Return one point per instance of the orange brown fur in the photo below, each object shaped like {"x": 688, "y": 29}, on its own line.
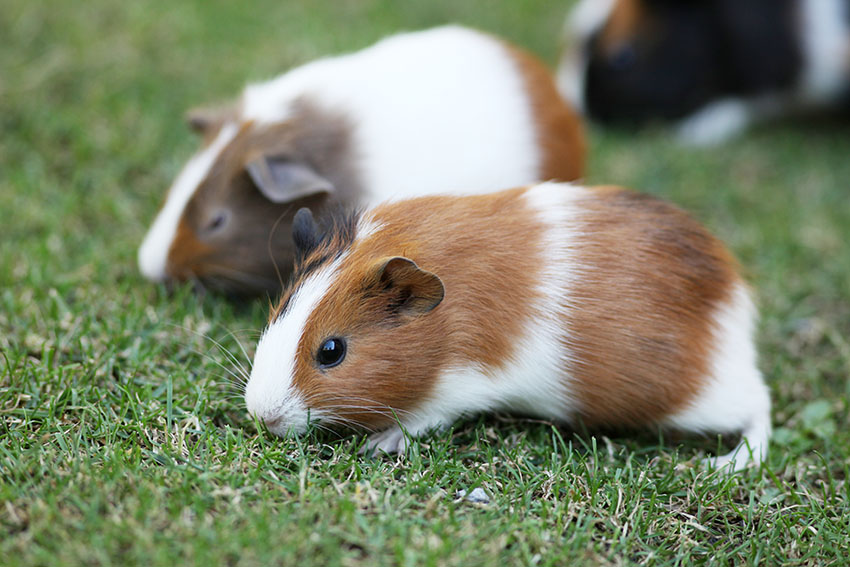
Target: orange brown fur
{"x": 625, "y": 18}
{"x": 489, "y": 281}
{"x": 187, "y": 253}
{"x": 559, "y": 129}
{"x": 651, "y": 280}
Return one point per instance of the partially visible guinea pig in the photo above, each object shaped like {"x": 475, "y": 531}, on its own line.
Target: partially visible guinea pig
{"x": 449, "y": 107}
{"x": 710, "y": 66}
{"x": 598, "y": 305}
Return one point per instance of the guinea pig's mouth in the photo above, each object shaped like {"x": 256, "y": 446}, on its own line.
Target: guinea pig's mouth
{"x": 224, "y": 279}
{"x": 280, "y": 427}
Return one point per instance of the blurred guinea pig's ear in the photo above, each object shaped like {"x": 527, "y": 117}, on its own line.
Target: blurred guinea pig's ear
{"x": 282, "y": 179}
{"x": 305, "y": 232}
{"x": 203, "y": 119}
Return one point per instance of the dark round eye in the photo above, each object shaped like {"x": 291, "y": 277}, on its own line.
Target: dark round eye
{"x": 218, "y": 221}
{"x": 331, "y": 353}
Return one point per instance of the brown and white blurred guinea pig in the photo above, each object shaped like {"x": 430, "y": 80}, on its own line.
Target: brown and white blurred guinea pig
{"x": 710, "y": 66}
{"x": 448, "y": 107}
{"x": 591, "y": 304}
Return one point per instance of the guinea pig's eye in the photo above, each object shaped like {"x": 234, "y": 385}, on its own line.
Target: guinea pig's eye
{"x": 623, "y": 58}
{"x": 331, "y": 353}
{"x": 218, "y": 221}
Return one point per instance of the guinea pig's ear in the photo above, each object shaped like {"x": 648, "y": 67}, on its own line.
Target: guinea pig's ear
{"x": 283, "y": 180}
{"x": 305, "y": 232}
{"x": 203, "y": 119}
{"x": 412, "y": 290}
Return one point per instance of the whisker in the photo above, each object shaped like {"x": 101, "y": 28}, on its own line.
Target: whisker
{"x": 350, "y": 423}
{"x": 242, "y": 348}
{"x": 226, "y": 352}
{"x": 373, "y": 403}
{"x": 241, "y": 378}
{"x": 269, "y": 245}
{"x": 224, "y": 278}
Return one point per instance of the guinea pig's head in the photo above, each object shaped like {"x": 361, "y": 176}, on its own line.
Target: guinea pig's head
{"x": 356, "y": 340}
{"x": 226, "y": 220}
{"x": 635, "y": 60}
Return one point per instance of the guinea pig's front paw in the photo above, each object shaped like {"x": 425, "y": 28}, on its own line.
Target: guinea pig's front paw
{"x": 733, "y": 462}
{"x": 715, "y": 123}
{"x": 391, "y": 441}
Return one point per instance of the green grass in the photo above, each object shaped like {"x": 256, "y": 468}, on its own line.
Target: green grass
{"x": 121, "y": 439}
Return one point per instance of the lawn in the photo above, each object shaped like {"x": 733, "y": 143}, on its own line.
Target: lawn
{"x": 123, "y": 440}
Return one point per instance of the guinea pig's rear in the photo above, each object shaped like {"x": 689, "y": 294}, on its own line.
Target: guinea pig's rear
{"x": 446, "y": 109}
{"x": 597, "y": 305}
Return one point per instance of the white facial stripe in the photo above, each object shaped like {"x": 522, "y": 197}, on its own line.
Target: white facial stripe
{"x": 826, "y": 48}
{"x": 269, "y": 393}
{"x": 588, "y": 16}
{"x": 570, "y": 76}
{"x": 153, "y": 253}
{"x": 585, "y": 19}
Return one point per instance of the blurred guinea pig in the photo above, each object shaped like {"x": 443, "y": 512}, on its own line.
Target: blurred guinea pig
{"x": 710, "y": 66}
{"x": 574, "y": 304}
{"x": 450, "y": 107}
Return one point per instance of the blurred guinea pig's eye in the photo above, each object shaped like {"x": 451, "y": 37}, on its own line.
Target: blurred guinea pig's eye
{"x": 623, "y": 58}
{"x": 218, "y": 221}
{"x": 331, "y": 353}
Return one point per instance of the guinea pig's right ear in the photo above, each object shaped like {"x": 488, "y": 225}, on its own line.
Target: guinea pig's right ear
{"x": 206, "y": 118}
{"x": 410, "y": 290}
{"x": 283, "y": 180}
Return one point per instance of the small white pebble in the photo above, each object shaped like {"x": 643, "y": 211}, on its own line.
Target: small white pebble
{"x": 477, "y": 495}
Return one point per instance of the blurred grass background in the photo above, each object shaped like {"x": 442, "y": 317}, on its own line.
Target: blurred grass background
{"x": 121, "y": 439}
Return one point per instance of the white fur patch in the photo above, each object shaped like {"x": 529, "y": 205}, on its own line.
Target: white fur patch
{"x": 367, "y": 226}
{"x": 826, "y": 48}
{"x": 535, "y": 381}
{"x": 589, "y": 16}
{"x": 153, "y": 254}
{"x": 736, "y": 398}
{"x": 421, "y": 123}
{"x": 269, "y": 393}
{"x": 714, "y": 123}
{"x": 586, "y": 18}
{"x": 570, "y": 75}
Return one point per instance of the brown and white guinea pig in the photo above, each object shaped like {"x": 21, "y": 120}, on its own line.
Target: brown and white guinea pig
{"x": 568, "y": 303}
{"x": 449, "y": 107}
{"x": 711, "y": 66}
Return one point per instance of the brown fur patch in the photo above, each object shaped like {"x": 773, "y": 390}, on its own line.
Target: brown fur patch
{"x": 489, "y": 278}
{"x": 186, "y": 255}
{"x": 208, "y": 120}
{"x": 622, "y": 24}
{"x": 255, "y": 251}
{"x": 651, "y": 280}
{"x": 560, "y": 133}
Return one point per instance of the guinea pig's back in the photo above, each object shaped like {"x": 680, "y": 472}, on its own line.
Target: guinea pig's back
{"x": 479, "y": 114}
{"x": 593, "y": 303}
{"x": 650, "y": 288}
